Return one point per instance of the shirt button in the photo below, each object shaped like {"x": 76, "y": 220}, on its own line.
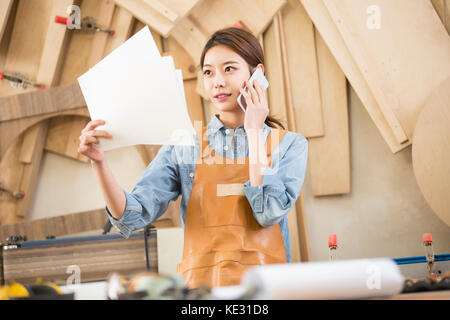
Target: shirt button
{"x": 227, "y": 131}
{"x": 225, "y": 148}
{"x": 191, "y": 174}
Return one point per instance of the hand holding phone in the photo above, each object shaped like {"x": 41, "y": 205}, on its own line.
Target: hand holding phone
{"x": 261, "y": 79}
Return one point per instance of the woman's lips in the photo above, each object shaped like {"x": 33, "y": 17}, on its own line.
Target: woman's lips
{"x": 222, "y": 97}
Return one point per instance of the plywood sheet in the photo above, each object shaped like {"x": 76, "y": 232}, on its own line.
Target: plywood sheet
{"x": 300, "y": 51}
{"x": 329, "y": 32}
{"x": 399, "y": 79}
{"x": 329, "y": 156}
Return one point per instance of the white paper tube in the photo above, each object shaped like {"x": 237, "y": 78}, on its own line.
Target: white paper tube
{"x": 344, "y": 279}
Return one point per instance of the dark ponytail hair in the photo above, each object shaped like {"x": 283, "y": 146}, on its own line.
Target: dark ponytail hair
{"x": 247, "y": 46}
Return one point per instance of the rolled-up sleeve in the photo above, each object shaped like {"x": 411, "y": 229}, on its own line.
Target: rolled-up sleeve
{"x": 281, "y": 184}
{"x": 150, "y": 197}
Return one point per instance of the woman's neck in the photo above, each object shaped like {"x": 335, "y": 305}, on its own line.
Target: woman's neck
{"x": 232, "y": 119}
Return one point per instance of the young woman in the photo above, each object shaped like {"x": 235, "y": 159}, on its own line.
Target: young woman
{"x": 237, "y": 183}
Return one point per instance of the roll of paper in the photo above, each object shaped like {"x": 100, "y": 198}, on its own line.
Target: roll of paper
{"x": 344, "y": 279}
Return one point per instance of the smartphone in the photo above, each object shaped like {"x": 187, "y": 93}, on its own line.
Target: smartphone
{"x": 261, "y": 79}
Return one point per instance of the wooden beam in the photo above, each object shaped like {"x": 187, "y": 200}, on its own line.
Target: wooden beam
{"x": 161, "y": 15}
{"x": 329, "y": 156}
{"x": 323, "y": 22}
{"x": 36, "y": 103}
{"x": 5, "y": 9}
{"x": 100, "y": 38}
{"x": 300, "y": 52}
{"x": 385, "y": 103}
{"x": 63, "y": 225}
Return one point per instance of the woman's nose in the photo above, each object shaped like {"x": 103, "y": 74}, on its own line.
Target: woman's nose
{"x": 219, "y": 81}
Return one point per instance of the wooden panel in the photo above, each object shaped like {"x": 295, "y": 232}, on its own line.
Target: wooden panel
{"x": 400, "y": 82}
{"x": 10, "y": 130}
{"x": 29, "y": 28}
{"x": 302, "y": 70}
{"x": 63, "y": 134}
{"x": 96, "y": 256}
{"x": 58, "y": 226}
{"x": 161, "y": 15}
{"x": 80, "y": 46}
{"x": 122, "y": 24}
{"x": 329, "y": 156}
{"x": 431, "y": 151}
{"x": 28, "y": 180}
{"x": 323, "y": 22}
{"x": 442, "y": 8}
{"x": 41, "y": 102}
{"x": 5, "y": 9}
{"x": 104, "y": 19}
{"x": 207, "y": 17}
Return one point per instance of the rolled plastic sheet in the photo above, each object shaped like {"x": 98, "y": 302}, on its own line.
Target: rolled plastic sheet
{"x": 343, "y": 279}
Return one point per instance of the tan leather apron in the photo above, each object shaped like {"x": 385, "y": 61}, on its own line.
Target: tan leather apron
{"x": 222, "y": 238}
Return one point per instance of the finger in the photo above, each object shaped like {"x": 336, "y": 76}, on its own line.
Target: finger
{"x": 247, "y": 98}
{"x": 259, "y": 90}
{"x": 93, "y": 124}
{"x": 252, "y": 92}
{"x": 100, "y": 133}
{"x": 89, "y": 139}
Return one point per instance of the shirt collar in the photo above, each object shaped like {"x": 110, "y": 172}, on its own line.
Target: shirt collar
{"x": 215, "y": 125}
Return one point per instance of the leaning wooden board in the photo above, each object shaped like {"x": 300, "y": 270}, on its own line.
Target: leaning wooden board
{"x": 399, "y": 79}
{"x": 329, "y": 156}
{"x": 300, "y": 51}
{"x": 209, "y": 16}
{"x": 431, "y": 151}
{"x": 330, "y": 34}
{"x": 161, "y": 15}
{"x": 92, "y": 258}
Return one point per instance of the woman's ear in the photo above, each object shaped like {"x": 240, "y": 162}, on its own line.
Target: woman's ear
{"x": 261, "y": 66}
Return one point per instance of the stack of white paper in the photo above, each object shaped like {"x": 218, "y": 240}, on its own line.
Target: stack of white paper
{"x": 139, "y": 94}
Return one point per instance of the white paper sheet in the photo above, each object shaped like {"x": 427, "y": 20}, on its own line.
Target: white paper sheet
{"x": 139, "y": 94}
{"x": 344, "y": 279}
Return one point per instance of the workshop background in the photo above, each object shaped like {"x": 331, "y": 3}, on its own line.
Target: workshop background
{"x": 366, "y": 82}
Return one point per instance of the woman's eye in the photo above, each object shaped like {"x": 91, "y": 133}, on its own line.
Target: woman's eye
{"x": 206, "y": 72}
{"x": 228, "y": 68}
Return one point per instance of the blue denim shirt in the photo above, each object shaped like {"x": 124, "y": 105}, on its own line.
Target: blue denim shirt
{"x": 171, "y": 173}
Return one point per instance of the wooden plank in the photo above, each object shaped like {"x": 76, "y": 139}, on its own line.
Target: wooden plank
{"x": 96, "y": 258}
{"x": 10, "y": 130}
{"x": 28, "y": 29}
{"x": 360, "y": 55}
{"x": 323, "y": 22}
{"x": 80, "y": 47}
{"x": 207, "y": 17}
{"x": 55, "y": 46}
{"x": 442, "y": 8}
{"x": 161, "y": 15}
{"x": 63, "y": 134}
{"x": 302, "y": 71}
{"x": 329, "y": 156}
{"x": 396, "y": 85}
{"x": 58, "y": 226}
{"x": 41, "y": 102}
{"x": 5, "y": 9}
{"x": 31, "y": 170}
{"x": 122, "y": 24}
{"x": 100, "y": 38}
{"x": 181, "y": 58}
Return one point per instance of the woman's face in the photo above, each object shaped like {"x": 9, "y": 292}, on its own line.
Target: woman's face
{"x": 224, "y": 73}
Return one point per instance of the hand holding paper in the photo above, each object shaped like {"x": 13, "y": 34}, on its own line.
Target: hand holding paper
{"x": 139, "y": 94}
